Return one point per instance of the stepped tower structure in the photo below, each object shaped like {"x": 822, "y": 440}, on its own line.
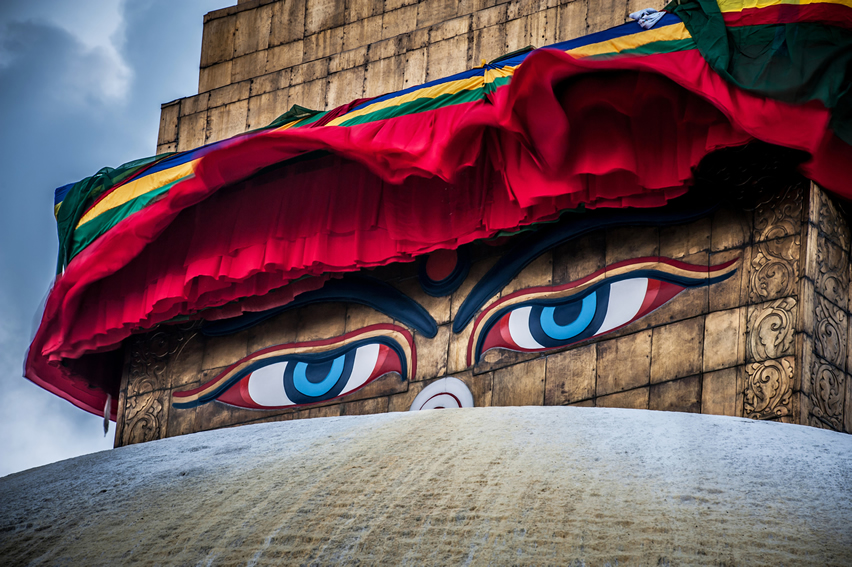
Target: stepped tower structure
{"x": 431, "y": 242}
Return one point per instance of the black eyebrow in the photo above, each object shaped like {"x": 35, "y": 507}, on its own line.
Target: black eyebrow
{"x": 363, "y": 290}
{"x": 684, "y": 209}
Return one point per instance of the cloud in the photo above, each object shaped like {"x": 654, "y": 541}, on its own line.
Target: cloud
{"x": 81, "y": 85}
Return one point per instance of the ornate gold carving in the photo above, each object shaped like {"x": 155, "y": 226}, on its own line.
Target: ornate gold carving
{"x": 775, "y": 269}
{"x": 771, "y": 328}
{"x": 769, "y": 389}
{"x": 829, "y": 331}
{"x": 832, "y": 277}
{"x": 144, "y": 418}
{"x": 145, "y": 411}
{"x": 827, "y": 390}
{"x": 149, "y": 359}
{"x": 781, "y": 216}
{"x": 831, "y": 220}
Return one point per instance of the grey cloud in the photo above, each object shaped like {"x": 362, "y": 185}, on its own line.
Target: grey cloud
{"x": 57, "y": 126}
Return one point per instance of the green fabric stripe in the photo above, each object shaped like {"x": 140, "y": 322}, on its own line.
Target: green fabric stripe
{"x": 794, "y": 63}
{"x": 84, "y": 193}
{"x": 87, "y": 233}
{"x": 650, "y": 49}
{"x": 419, "y": 105}
{"x": 310, "y": 120}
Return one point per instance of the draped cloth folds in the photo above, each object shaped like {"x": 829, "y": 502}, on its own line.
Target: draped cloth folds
{"x": 253, "y": 225}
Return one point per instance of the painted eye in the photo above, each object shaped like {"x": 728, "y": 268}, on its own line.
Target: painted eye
{"x": 550, "y": 324}
{"x": 540, "y": 319}
{"x": 307, "y": 380}
{"x": 308, "y": 373}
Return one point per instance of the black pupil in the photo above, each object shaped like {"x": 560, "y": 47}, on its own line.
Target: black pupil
{"x": 566, "y": 314}
{"x": 316, "y": 372}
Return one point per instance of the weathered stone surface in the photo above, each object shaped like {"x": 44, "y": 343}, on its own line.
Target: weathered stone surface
{"x": 169, "y": 114}
{"x": 226, "y": 121}
{"x": 631, "y": 399}
{"x": 444, "y": 57}
{"x": 224, "y": 351}
{"x": 733, "y": 292}
{"x": 520, "y": 385}
{"x": 677, "y": 350}
{"x": 432, "y": 354}
{"x": 288, "y": 22}
{"x": 720, "y": 394}
{"x": 683, "y": 240}
{"x": 571, "y": 376}
{"x": 538, "y": 273}
{"x": 723, "y": 339}
{"x": 365, "y": 407}
{"x": 572, "y": 20}
{"x": 252, "y": 30}
{"x": 678, "y": 395}
{"x": 265, "y": 108}
{"x": 228, "y": 94}
{"x": 192, "y": 131}
{"x": 730, "y": 229}
{"x": 215, "y": 76}
{"x": 345, "y": 86}
{"x": 579, "y": 258}
{"x": 500, "y": 358}
{"x": 628, "y": 243}
{"x": 217, "y": 41}
{"x": 321, "y": 321}
{"x": 399, "y": 21}
{"x": 623, "y": 363}
{"x": 323, "y": 14}
{"x": 284, "y": 56}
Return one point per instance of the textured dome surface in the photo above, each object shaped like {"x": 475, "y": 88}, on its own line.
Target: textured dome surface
{"x": 542, "y": 485}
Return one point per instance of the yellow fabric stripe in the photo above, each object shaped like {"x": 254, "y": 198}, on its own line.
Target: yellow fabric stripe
{"x": 56, "y": 209}
{"x": 138, "y": 187}
{"x": 450, "y": 87}
{"x": 289, "y": 125}
{"x": 667, "y": 33}
{"x": 492, "y": 74}
{"x": 740, "y": 5}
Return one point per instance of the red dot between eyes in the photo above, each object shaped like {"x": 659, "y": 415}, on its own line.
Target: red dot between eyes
{"x": 440, "y": 264}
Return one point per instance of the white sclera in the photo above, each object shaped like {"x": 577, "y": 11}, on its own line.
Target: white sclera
{"x": 365, "y": 362}
{"x": 266, "y": 386}
{"x": 441, "y": 394}
{"x": 519, "y": 328}
{"x": 625, "y": 300}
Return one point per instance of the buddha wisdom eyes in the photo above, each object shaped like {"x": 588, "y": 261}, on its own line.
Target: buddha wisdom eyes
{"x": 307, "y": 373}
{"x": 535, "y": 319}
{"x": 544, "y": 318}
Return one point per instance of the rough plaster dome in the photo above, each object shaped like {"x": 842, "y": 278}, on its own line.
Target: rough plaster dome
{"x": 543, "y": 485}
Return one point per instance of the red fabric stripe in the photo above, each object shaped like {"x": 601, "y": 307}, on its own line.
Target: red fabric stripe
{"x": 830, "y": 14}
{"x": 623, "y": 132}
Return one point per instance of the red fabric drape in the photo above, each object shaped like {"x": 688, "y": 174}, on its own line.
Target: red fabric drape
{"x": 566, "y": 132}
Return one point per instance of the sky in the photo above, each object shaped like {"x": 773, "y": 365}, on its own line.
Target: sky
{"x": 81, "y": 85}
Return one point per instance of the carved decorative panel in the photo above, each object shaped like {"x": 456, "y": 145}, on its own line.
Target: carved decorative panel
{"x": 146, "y": 398}
{"x": 145, "y": 418}
{"x": 832, "y": 277}
{"x": 149, "y": 359}
{"x": 780, "y": 216}
{"x": 831, "y": 221}
{"x": 829, "y": 331}
{"x": 826, "y": 397}
{"x": 774, "y": 269}
{"x": 769, "y": 389}
{"x": 771, "y": 329}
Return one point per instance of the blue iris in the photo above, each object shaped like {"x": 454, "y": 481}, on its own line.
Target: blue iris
{"x": 317, "y": 379}
{"x": 577, "y": 322}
